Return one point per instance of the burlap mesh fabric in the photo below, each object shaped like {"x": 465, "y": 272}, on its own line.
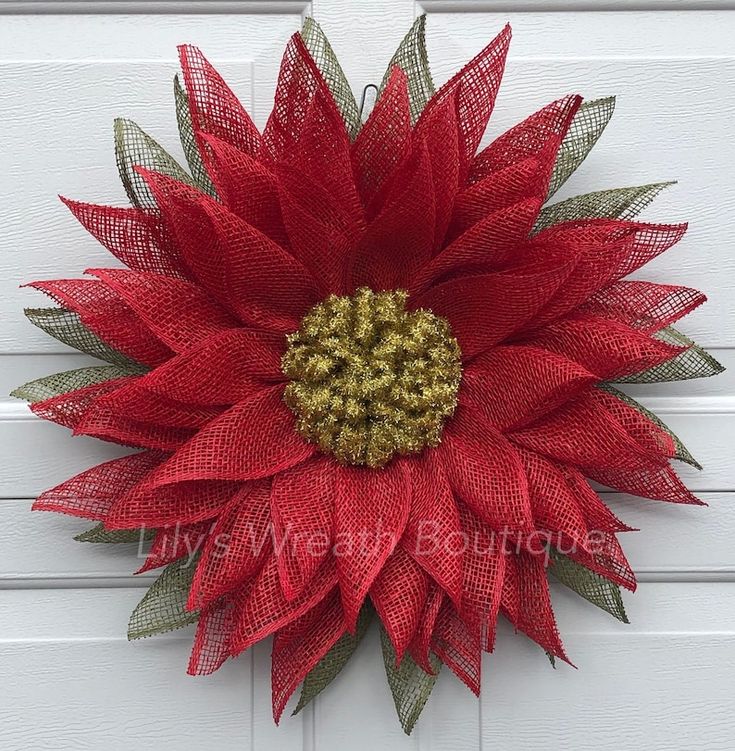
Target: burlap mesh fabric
{"x": 298, "y": 537}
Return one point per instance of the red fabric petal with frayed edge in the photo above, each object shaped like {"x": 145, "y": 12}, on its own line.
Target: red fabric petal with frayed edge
{"x": 102, "y": 311}
{"x": 299, "y": 646}
{"x": 370, "y": 514}
{"x": 656, "y": 483}
{"x": 254, "y": 439}
{"x": 236, "y": 546}
{"x": 475, "y": 87}
{"x": 433, "y": 535}
{"x": 302, "y": 507}
{"x": 420, "y": 647}
{"x": 515, "y": 384}
{"x": 214, "y": 108}
{"x": 178, "y": 541}
{"x": 399, "y": 594}
{"x": 133, "y": 236}
{"x": 470, "y": 304}
{"x": 212, "y": 640}
{"x": 240, "y": 266}
{"x": 92, "y": 493}
{"x": 485, "y": 471}
{"x": 457, "y": 648}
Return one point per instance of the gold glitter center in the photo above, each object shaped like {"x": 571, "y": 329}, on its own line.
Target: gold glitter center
{"x": 370, "y": 379}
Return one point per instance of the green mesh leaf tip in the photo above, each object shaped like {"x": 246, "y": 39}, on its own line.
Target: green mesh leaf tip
{"x": 584, "y": 130}
{"x": 617, "y": 203}
{"x": 189, "y": 142}
{"x": 329, "y": 667}
{"x": 409, "y": 684}
{"x": 163, "y": 608}
{"x": 589, "y": 585}
{"x": 99, "y": 534}
{"x": 682, "y": 453}
{"x": 411, "y": 57}
{"x": 66, "y": 327}
{"x": 134, "y": 147}
{"x": 694, "y": 362}
{"x": 323, "y": 55}
{"x": 70, "y": 380}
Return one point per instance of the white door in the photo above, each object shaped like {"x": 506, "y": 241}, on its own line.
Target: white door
{"x": 68, "y": 677}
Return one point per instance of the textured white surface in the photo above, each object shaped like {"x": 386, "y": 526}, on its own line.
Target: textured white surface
{"x": 71, "y": 680}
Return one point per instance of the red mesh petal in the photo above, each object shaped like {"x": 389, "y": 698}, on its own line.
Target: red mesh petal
{"x": 598, "y": 516}
{"x": 321, "y": 237}
{"x": 262, "y": 609}
{"x": 487, "y": 246}
{"x": 605, "y": 249}
{"x": 526, "y": 602}
{"x": 433, "y": 527}
{"x": 514, "y": 384}
{"x": 185, "y": 503}
{"x": 383, "y": 141}
{"x": 239, "y": 265}
{"x": 606, "y": 559}
{"x": 470, "y": 304}
{"x": 299, "y": 646}
{"x": 178, "y": 312}
{"x": 475, "y": 87}
{"x": 214, "y": 108}
{"x": 236, "y": 547}
{"x": 644, "y": 306}
{"x": 91, "y": 493}
{"x": 484, "y": 566}
{"x": 657, "y": 483}
{"x": 421, "y": 645}
{"x": 253, "y": 439}
{"x": 538, "y": 136}
{"x": 399, "y": 594}
{"x": 399, "y": 241}
{"x": 223, "y": 369}
{"x": 247, "y": 188}
{"x": 485, "y": 471}
{"x": 302, "y": 508}
{"x": 604, "y": 347}
{"x": 371, "y": 510}
{"x": 135, "y": 237}
{"x": 102, "y": 311}
{"x": 554, "y": 504}
{"x": 457, "y": 648}
{"x": 172, "y": 543}
{"x": 212, "y": 640}
{"x": 440, "y": 132}
{"x": 585, "y": 433}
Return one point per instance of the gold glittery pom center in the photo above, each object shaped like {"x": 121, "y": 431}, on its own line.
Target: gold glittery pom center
{"x": 370, "y": 379}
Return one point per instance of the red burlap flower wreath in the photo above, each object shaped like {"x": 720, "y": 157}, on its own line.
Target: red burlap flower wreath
{"x": 368, "y": 371}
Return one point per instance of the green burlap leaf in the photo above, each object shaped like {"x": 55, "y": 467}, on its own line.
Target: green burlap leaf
{"x": 694, "y": 362}
{"x": 65, "y": 326}
{"x": 584, "y": 130}
{"x": 70, "y": 380}
{"x": 323, "y": 54}
{"x": 98, "y": 533}
{"x": 682, "y": 453}
{"x": 409, "y": 684}
{"x": 593, "y": 587}
{"x": 411, "y": 57}
{"x": 329, "y": 667}
{"x": 163, "y": 608}
{"x": 618, "y": 203}
{"x": 189, "y": 142}
{"x": 134, "y": 147}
